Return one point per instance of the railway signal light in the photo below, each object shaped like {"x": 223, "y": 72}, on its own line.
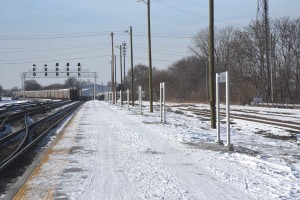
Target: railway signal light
{"x": 79, "y": 68}
{"x": 45, "y": 69}
{"x": 68, "y": 69}
{"x": 34, "y": 70}
{"x": 57, "y": 69}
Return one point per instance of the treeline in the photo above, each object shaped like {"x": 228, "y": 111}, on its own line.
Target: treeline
{"x": 69, "y": 83}
{"x": 243, "y": 53}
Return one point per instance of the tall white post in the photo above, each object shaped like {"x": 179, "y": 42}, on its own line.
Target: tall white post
{"x": 94, "y": 86}
{"x": 23, "y": 81}
{"x": 218, "y": 108}
{"x": 127, "y": 99}
{"x": 160, "y": 101}
{"x": 230, "y": 147}
{"x": 120, "y": 98}
{"x": 164, "y": 102}
{"x": 140, "y": 100}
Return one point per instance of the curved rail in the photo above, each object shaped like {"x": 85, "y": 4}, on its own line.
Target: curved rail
{"x": 21, "y": 114}
{"x": 60, "y": 115}
{"x": 23, "y": 142}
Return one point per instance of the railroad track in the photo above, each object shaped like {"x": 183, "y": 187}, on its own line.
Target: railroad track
{"x": 276, "y": 122}
{"x": 15, "y": 145}
{"x": 29, "y": 109}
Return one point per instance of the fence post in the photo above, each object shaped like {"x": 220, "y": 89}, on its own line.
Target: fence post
{"x": 160, "y": 101}
{"x": 120, "y": 98}
{"x": 140, "y": 100}
{"x": 164, "y": 101}
{"x": 229, "y": 145}
{"x": 218, "y": 108}
{"x": 127, "y": 99}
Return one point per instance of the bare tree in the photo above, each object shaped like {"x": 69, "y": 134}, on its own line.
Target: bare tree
{"x": 32, "y": 85}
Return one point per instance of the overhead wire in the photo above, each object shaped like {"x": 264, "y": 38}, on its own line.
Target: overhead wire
{"x": 53, "y": 49}
{"x": 181, "y": 10}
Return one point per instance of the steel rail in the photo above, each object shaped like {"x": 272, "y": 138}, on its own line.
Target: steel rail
{"x": 62, "y": 115}
{"x": 259, "y": 119}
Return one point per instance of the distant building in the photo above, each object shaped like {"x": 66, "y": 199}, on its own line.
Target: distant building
{"x": 88, "y": 90}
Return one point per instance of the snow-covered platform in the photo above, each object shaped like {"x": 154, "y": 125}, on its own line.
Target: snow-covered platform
{"x": 111, "y": 153}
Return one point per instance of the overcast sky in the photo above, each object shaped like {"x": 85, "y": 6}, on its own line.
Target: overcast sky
{"x": 50, "y": 31}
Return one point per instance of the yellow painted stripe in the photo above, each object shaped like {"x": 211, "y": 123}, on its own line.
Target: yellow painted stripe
{"x": 22, "y": 192}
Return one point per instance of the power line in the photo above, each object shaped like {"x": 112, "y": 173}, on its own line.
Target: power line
{"x": 78, "y": 58}
{"x": 25, "y": 51}
{"x": 55, "y": 60}
{"x": 51, "y": 56}
{"x": 68, "y": 36}
{"x": 181, "y": 10}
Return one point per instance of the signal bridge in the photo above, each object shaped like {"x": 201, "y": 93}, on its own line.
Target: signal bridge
{"x": 57, "y": 73}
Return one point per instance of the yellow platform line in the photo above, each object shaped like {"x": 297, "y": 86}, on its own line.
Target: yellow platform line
{"x": 21, "y": 193}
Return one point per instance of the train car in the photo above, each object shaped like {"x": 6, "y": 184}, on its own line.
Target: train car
{"x": 65, "y": 94}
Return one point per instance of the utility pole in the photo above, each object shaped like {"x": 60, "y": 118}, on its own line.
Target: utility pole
{"x": 212, "y": 89}
{"x": 115, "y": 76}
{"x": 149, "y": 54}
{"x": 120, "y": 47}
{"x": 124, "y": 54}
{"x": 150, "y": 59}
{"x": 112, "y": 68}
{"x": 131, "y": 55}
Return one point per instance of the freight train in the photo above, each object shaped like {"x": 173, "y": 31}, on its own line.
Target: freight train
{"x": 70, "y": 94}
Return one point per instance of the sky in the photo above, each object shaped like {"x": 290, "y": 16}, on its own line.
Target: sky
{"x": 73, "y": 31}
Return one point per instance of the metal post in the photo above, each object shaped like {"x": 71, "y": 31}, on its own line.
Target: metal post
{"x": 120, "y": 98}
{"x": 230, "y": 147}
{"x": 160, "y": 101}
{"x": 94, "y": 86}
{"x": 164, "y": 102}
{"x": 218, "y": 108}
{"x": 24, "y": 79}
{"x": 140, "y": 100}
{"x": 115, "y": 77}
{"x": 127, "y": 99}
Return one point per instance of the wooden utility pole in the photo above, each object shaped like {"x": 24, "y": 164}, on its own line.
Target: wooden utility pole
{"x": 112, "y": 68}
{"x": 212, "y": 87}
{"x": 131, "y": 55}
{"x": 121, "y": 73}
{"x": 124, "y": 55}
{"x": 150, "y": 59}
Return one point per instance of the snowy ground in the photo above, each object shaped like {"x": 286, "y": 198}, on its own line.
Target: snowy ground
{"x": 112, "y": 153}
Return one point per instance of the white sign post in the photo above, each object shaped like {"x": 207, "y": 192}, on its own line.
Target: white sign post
{"x": 221, "y": 78}
{"x": 140, "y": 100}
{"x": 120, "y": 98}
{"x": 108, "y": 94}
{"x": 127, "y": 99}
{"x": 162, "y": 103}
